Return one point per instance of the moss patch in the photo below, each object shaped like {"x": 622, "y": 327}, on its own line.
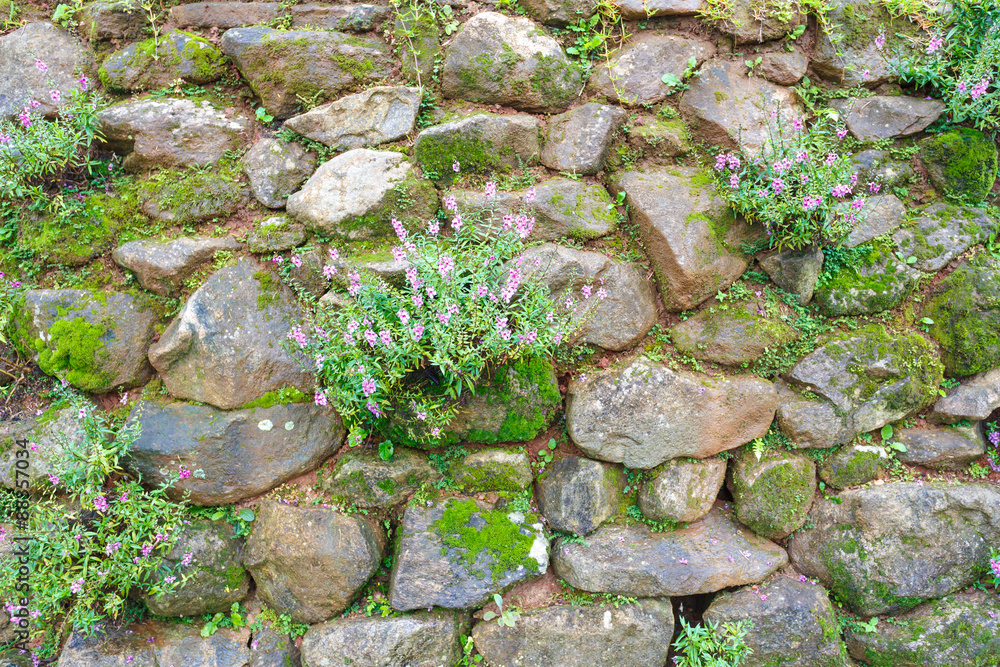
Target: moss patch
{"x": 962, "y": 163}
{"x": 72, "y": 351}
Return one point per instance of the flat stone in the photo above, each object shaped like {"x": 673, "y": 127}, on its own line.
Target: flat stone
{"x": 162, "y": 268}
{"x": 682, "y": 491}
{"x": 795, "y": 271}
{"x": 482, "y": 143}
{"x": 369, "y": 118}
{"x": 888, "y": 116}
{"x": 784, "y": 68}
{"x": 876, "y": 281}
{"x": 558, "y": 13}
{"x": 105, "y": 20}
{"x": 941, "y": 447}
{"x": 772, "y": 494}
{"x": 176, "y": 55}
{"x": 578, "y": 141}
{"x": 750, "y": 23}
{"x": 885, "y": 213}
{"x": 853, "y": 465}
{"x": 21, "y": 81}
{"x": 576, "y": 494}
{"x": 493, "y": 469}
{"x": 858, "y": 60}
{"x": 275, "y": 234}
{"x": 734, "y": 336}
{"x": 659, "y": 139}
{"x": 421, "y": 639}
{"x": 156, "y": 643}
{"x": 223, "y": 15}
{"x": 942, "y": 233}
{"x": 277, "y": 169}
{"x": 352, "y": 17}
{"x": 645, "y": 9}
{"x": 362, "y": 478}
{"x": 973, "y": 400}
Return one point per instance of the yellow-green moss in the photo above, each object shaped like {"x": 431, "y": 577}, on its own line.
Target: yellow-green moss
{"x": 967, "y": 161}
{"x": 72, "y": 351}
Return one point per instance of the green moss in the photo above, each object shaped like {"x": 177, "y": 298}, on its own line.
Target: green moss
{"x": 268, "y": 289}
{"x": 871, "y": 283}
{"x": 435, "y": 153}
{"x": 411, "y": 199}
{"x": 530, "y": 409}
{"x": 965, "y": 160}
{"x": 282, "y": 396}
{"x": 72, "y": 351}
{"x": 777, "y": 501}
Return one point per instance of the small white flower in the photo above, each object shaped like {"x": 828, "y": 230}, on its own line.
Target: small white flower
{"x": 265, "y": 425}
{"x": 289, "y": 426}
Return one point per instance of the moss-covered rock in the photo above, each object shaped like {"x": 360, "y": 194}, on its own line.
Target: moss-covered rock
{"x": 275, "y": 234}
{"x": 481, "y": 143}
{"x": 773, "y": 493}
{"x": 493, "y": 469}
{"x": 962, "y": 163}
{"x": 362, "y": 478}
{"x": 875, "y": 281}
{"x": 182, "y": 196}
{"x": 731, "y": 334}
{"x": 660, "y": 139}
{"x": 417, "y": 41}
{"x": 852, "y": 465}
{"x": 160, "y": 62}
{"x": 942, "y": 232}
{"x": 682, "y": 490}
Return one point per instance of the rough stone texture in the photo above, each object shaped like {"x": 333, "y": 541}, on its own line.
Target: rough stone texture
{"x": 428, "y": 571}
{"x": 753, "y": 23}
{"x": 497, "y": 59}
{"x": 942, "y": 233}
{"x": 272, "y": 648}
{"x": 877, "y": 280}
{"x": 176, "y": 55}
{"x": 772, "y": 494}
{"x": 795, "y": 271}
{"x": 97, "y": 341}
{"x": 682, "y": 491}
{"x": 734, "y": 336}
{"x": 875, "y": 166}
{"x": 961, "y": 629}
{"x": 690, "y": 237}
{"x": 417, "y": 39}
{"x": 352, "y": 17}
{"x": 633, "y": 75}
{"x": 162, "y": 268}
{"x": 634, "y": 561}
{"x": 645, "y": 414}
{"x": 310, "y": 562}
{"x": 888, "y": 116}
{"x": 644, "y": 9}
{"x": 225, "y": 351}
{"x": 794, "y": 623}
{"x": 223, "y": 15}
{"x": 275, "y": 234}
{"x": 856, "y": 59}
{"x": 362, "y": 478}
{"x": 22, "y": 81}
{"x": 276, "y": 169}
{"x": 618, "y": 321}
{"x": 369, "y": 118}
{"x": 156, "y": 644}
{"x": 184, "y": 198}
{"x": 573, "y": 636}
{"x": 243, "y": 453}
{"x": 422, "y": 639}
{"x": 559, "y": 13}
{"x": 973, "y": 400}
{"x": 579, "y": 140}
{"x": 729, "y": 109}
{"x": 941, "y": 447}
{"x": 576, "y": 495}
{"x": 104, "y": 20}
{"x": 660, "y": 139}
{"x": 493, "y": 469}
{"x": 279, "y": 65}
{"x": 481, "y": 143}
{"x": 884, "y": 549}
{"x": 217, "y": 579}
{"x": 852, "y": 465}
{"x": 167, "y": 132}
{"x": 45, "y": 438}
{"x": 885, "y": 213}
{"x": 784, "y": 68}
{"x": 961, "y": 163}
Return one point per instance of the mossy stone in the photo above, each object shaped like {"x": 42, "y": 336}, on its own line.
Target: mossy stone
{"x": 772, "y": 494}
{"x": 962, "y": 164}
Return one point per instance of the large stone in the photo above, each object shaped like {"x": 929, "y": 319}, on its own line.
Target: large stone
{"x": 493, "y": 470}
{"x": 784, "y": 68}
{"x": 175, "y": 55}
{"x": 480, "y": 144}
{"x": 793, "y": 623}
{"x": 223, "y": 15}
{"x": 710, "y": 554}
{"x": 942, "y": 233}
{"x": 559, "y": 12}
{"x": 352, "y": 17}
{"x": 877, "y": 166}
{"x": 633, "y": 75}
{"x": 356, "y": 194}
{"x": 497, "y": 59}
{"x": 184, "y": 197}
{"x": 973, "y": 400}
{"x": 941, "y": 447}
{"x": 889, "y": 116}
{"x": 576, "y": 495}
{"x": 96, "y": 341}
{"x": 224, "y": 347}
{"x": 156, "y": 644}
{"x": 729, "y": 109}
{"x": 241, "y": 453}
{"x": 645, "y": 9}
{"x": 423, "y": 639}
{"x": 876, "y": 281}
{"x": 853, "y": 465}
{"x": 638, "y": 633}
{"x": 458, "y": 552}
{"x": 282, "y": 65}
{"x": 105, "y": 20}
{"x": 772, "y": 494}
{"x": 44, "y": 438}
{"x": 682, "y": 490}
{"x": 619, "y": 320}
{"x": 884, "y": 549}
{"x": 269, "y": 647}
{"x": 660, "y": 139}
{"x": 885, "y": 213}
{"x": 362, "y": 478}
{"x": 753, "y": 22}
{"x": 961, "y": 163}
{"x": 276, "y": 169}
{"x": 21, "y": 81}
{"x": 311, "y": 562}
{"x": 369, "y": 118}
{"x": 691, "y": 237}
{"x": 645, "y": 414}
{"x": 795, "y": 271}
{"x": 275, "y": 234}
{"x": 167, "y": 132}
{"x": 162, "y": 268}
{"x": 732, "y": 335}
{"x": 417, "y": 39}
{"x": 579, "y": 140}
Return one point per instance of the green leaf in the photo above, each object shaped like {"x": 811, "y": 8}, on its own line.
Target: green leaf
{"x": 886, "y": 432}
{"x": 912, "y": 259}
{"x": 670, "y": 80}
{"x": 385, "y": 450}
{"x": 926, "y": 320}
{"x": 489, "y": 616}
{"x": 498, "y": 600}
{"x": 898, "y": 446}
{"x": 247, "y": 515}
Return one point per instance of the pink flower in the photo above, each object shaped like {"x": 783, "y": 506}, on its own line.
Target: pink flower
{"x": 55, "y": 95}
{"x": 450, "y": 203}
{"x": 763, "y": 597}
{"x": 25, "y": 118}
{"x": 961, "y": 86}
{"x": 398, "y": 253}
{"x": 403, "y": 316}
{"x": 456, "y": 166}
{"x": 854, "y": 178}
{"x": 683, "y": 561}
{"x": 298, "y": 336}
{"x": 777, "y": 184}
{"x": 183, "y": 473}
{"x": 445, "y": 265}
{"x": 601, "y": 294}
{"x": 374, "y": 409}
{"x": 297, "y": 261}
{"x": 979, "y": 88}
{"x": 435, "y": 431}
{"x": 334, "y": 254}
{"x": 866, "y": 74}
{"x": 385, "y": 337}
{"x": 329, "y": 271}
{"x": 841, "y": 133}
{"x": 801, "y": 157}
{"x": 797, "y": 123}
{"x": 782, "y": 165}
{"x": 529, "y": 196}
{"x": 874, "y": 187}
{"x": 720, "y": 162}
{"x": 422, "y": 416}
{"x": 399, "y": 229}
{"x": 355, "y": 285}
{"x": 734, "y": 181}
{"x": 840, "y": 190}
{"x": 880, "y": 41}
{"x": 42, "y": 67}
{"x": 586, "y": 291}
{"x": 830, "y": 159}
{"x": 418, "y": 300}
{"x": 371, "y": 337}
{"x": 76, "y": 586}
{"x": 368, "y": 386}
{"x": 418, "y": 331}
{"x": 481, "y": 291}
{"x": 935, "y": 44}
{"x": 319, "y": 398}
{"x": 858, "y": 203}
{"x": 82, "y": 413}
{"x": 491, "y": 190}
{"x": 733, "y": 160}
{"x": 444, "y": 318}
{"x": 83, "y": 81}
{"x": 433, "y": 227}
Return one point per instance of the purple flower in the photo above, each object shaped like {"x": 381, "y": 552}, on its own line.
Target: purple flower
{"x": 42, "y": 67}
{"x": 433, "y": 228}
{"x": 734, "y": 181}
{"x": 101, "y": 504}
{"x": 386, "y": 337}
{"x": 329, "y": 271}
{"x": 83, "y": 81}
{"x": 777, "y": 184}
{"x": 456, "y": 166}
{"x": 418, "y": 300}
{"x": 298, "y": 336}
{"x": 171, "y": 579}
{"x": 841, "y": 133}
{"x": 481, "y": 291}
{"x": 444, "y": 318}
{"x": 371, "y": 337}
{"x": 586, "y": 291}
{"x": 55, "y": 95}
{"x": 374, "y": 409}
{"x": 76, "y": 586}
{"x": 529, "y": 196}
{"x": 400, "y": 230}
{"x": 874, "y": 187}
{"x": 418, "y": 331}
{"x": 445, "y": 265}
{"x": 334, "y": 253}
{"x": 456, "y": 223}
{"x": 450, "y": 203}
{"x": 935, "y": 44}
{"x": 319, "y": 398}
{"x": 403, "y": 316}
{"x": 602, "y": 294}
{"x": 187, "y": 559}
{"x": 297, "y": 261}
{"x": 880, "y": 41}
{"x": 720, "y": 162}
{"x": 491, "y": 190}
{"x": 183, "y": 473}
{"x": 368, "y": 386}
{"x": 25, "y": 118}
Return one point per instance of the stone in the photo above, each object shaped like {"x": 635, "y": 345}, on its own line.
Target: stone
{"x": 242, "y": 453}
{"x": 795, "y": 271}
{"x": 482, "y": 143}
{"x": 498, "y": 59}
{"x": 217, "y": 579}
{"x": 659, "y": 139}
{"x": 281, "y": 65}
{"x": 734, "y": 336}
{"x": 690, "y": 237}
{"x": 107, "y": 20}
{"x": 223, "y": 15}
{"x": 681, "y": 490}
{"x": 165, "y": 132}
{"x": 162, "y": 268}
{"x": 753, "y": 23}
{"x": 883, "y": 550}
{"x": 493, "y": 469}
{"x": 637, "y": 633}
{"x": 973, "y": 400}
{"x": 860, "y": 381}
{"x": 644, "y": 413}
{"x": 793, "y": 623}
{"x": 875, "y": 281}
{"x": 960, "y": 629}
{"x": 552, "y": 12}
{"x": 270, "y": 647}
{"x": 875, "y": 166}
{"x": 852, "y": 465}
{"x": 942, "y": 233}
{"x": 276, "y": 234}
{"x": 22, "y": 81}
{"x": 578, "y": 141}
{"x": 352, "y": 17}
{"x": 632, "y": 76}
{"x": 888, "y": 116}
{"x": 176, "y": 55}
{"x": 731, "y": 110}
{"x": 96, "y": 341}
{"x": 457, "y": 553}
{"x": 619, "y": 320}
{"x": 356, "y": 194}
{"x": 369, "y": 118}
{"x": 183, "y": 197}
{"x": 362, "y": 478}
{"x": 45, "y": 438}
{"x": 885, "y": 213}
{"x": 311, "y": 562}
{"x": 941, "y": 447}
{"x": 422, "y": 639}
{"x": 156, "y": 643}
{"x": 277, "y": 169}
{"x": 645, "y": 9}
{"x": 773, "y": 493}
{"x": 576, "y": 494}
{"x": 784, "y": 68}
{"x": 417, "y": 38}
{"x": 708, "y": 555}
{"x": 227, "y": 351}
{"x": 961, "y": 164}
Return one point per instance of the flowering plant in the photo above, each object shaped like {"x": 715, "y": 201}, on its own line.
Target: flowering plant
{"x": 10, "y": 292}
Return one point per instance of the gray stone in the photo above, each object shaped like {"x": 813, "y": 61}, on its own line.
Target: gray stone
{"x": 973, "y": 400}
{"x": 272, "y": 648}
{"x": 876, "y": 281}
{"x": 105, "y": 20}
{"x": 362, "y": 478}
{"x": 942, "y": 233}
{"x": 659, "y": 139}
{"x": 493, "y": 469}
{"x": 645, "y": 414}
{"x": 227, "y": 351}
{"x": 753, "y": 23}
{"x": 223, "y": 15}
{"x": 682, "y": 491}
{"x": 558, "y": 13}
{"x": 888, "y": 116}
{"x": 275, "y": 234}
{"x": 572, "y": 636}
{"x": 369, "y": 118}
{"x": 176, "y": 55}
{"x": 481, "y": 144}
{"x": 784, "y": 68}
{"x": 632, "y": 76}
{"x": 961, "y": 164}
{"x": 732, "y": 335}
{"x": 311, "y": 562}
{"x": 352, "y": 17}
{"x": 772, "y": 494}
{"x": 852, "y": 465}
{"x": 579, "y": 140}
{"x": 576, "y": 495}
{"x": 875, "y": 166}
{"x": 162, "y": 268}
{"x": 156, "y": 644}
{"x": 276, "y": 169}
{"x": 795, "y": 271}
{"x": 941, "y": 447}
{"x": 885, "y": 213}
{"x": 645, "y": 9}
{"x": 46, "y": 438}
{"x": 191, "y": 196}
{"x": 21, "y": 81}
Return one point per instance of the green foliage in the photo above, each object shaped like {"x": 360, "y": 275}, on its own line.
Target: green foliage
{"x": 10, "y": 295}
{"x": 219, "y": 620}
{"x": 711, "y": 644}
{"x": 506, "y": 617}
{"x": 282, "y": 623}
{"x": 240, "y": 520}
